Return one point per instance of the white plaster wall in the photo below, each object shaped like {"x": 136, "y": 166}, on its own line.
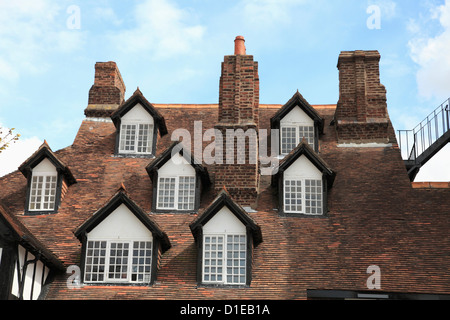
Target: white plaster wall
{"x": 121, "y": 224}
{"x": 28, "y": 282}
{"x": 224, "y": 222}
{"x": 45, "y": 166}
{"x": 28, "y": 278}
{"x": 303, "y": 168}
{"x": 297, "y": 116}
{"x": 138, "y": 114}
{"x": 176, "y": 166}
{"x": 37, "y": 279}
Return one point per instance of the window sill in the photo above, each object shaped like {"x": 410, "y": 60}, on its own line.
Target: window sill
{"x": 173, "y": 211}
{"x": 302, "y": 215}
{"x": 117, "y": 284}
{"x": 223, "y": 286}
{"x": 133, "y": 155}
{"x": 40, "y": 212}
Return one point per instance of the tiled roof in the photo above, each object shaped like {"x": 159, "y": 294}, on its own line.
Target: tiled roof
{"x": 18, "y": 231}
{"x": 375, "y": 218}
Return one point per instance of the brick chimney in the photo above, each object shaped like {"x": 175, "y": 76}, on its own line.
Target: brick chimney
{"x": 238, "y": 113}
{"x": 107, "y": 92}
{"x": 239, "y": 87}
{"x": 361, "y": 113}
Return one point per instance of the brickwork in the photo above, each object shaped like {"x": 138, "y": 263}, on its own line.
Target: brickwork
{"x": 238, "y": 110}
{"x": 107, "y": 92}
{"x": 361, "y": 111}
{"x": 239, "y": 90}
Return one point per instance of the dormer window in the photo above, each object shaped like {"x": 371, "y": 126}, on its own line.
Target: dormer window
{"x": 136, "y": 132}
{"x": 43, "y": 187}
{"x": 303, "y": 189}
{"x": 303, "y": 180}
{"x": 48, "y": 181}
{"x": 137, "y": 123}
{"x": 176, "y": 192}
{"x": 297, "y": 121}
{"x": 225, "y": 236}
{"x": 121, "y": 244}
{"x": 177, "y": 181}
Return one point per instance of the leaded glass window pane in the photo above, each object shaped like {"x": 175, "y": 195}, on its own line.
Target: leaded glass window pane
{"x": 225, "y": 259}
{"x": 166, "y": 193}
{"x": 186, "y": 193}
{"x": 288, "y": 139}
{"x": 43, "y": 192}
{"x": 303, "y": 196}
{"x": 136, "y": 138}
{"x": 293, "y": 196}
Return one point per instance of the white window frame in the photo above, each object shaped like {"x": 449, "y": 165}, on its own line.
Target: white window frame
{"x": 1, "y": 251}
{"x": 216, "y": 263}
{"x": 131, "y": 267}
{"x": 310, "y": 139}
{"x": 306, "y": 197}
{"x": 137, "y": 137}
{"x": 177, "y": 192}
{"x": 41, "y": 192}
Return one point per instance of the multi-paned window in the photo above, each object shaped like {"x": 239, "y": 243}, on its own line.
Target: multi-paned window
{"x": 303, "y": 196}
{"x": 118, "y": 261}
{"x": 225, "y": 259}
{"x": 43, "y": 192}
{"x": 136, "y": 138}
{"x": 291, "y": 136}
{"x": 176, "y": 193}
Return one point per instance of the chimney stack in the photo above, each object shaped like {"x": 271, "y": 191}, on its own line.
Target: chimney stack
{"x": 238, "y": 112}
{"x": 108, "y": 91}
{"x": 239, "y": 87}
{"x": 361, "y": 112}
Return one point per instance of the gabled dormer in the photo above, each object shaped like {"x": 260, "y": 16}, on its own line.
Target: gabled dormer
{"x": 225, "y": 235}
{"x": 121, "y": 244}
{"x": 137, "y": 125}
{"x": 48, "y": 180}
{"x": 297, "y": 120}
{"x": 178, "y": 180}
{"x": 303, "y": 180}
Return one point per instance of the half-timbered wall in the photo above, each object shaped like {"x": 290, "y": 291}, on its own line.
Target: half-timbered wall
{"x": 30, "y": 275}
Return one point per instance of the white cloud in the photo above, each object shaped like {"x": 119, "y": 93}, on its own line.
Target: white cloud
{"x": 162, "y": 29}
{"x": 107, "y": 14}
{"x": 430, "y": 53}
{"x": 437, "y": 168}
{"x": 30, "y": 30}
{"x": 388, "y": 8}
{"x": 395, "y": 66}
{"x": 16, "y": 153}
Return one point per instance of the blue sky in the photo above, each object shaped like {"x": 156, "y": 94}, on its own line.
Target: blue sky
{"x": 173, "y": 49}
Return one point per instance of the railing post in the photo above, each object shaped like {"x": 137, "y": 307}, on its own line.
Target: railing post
{"x": 447, "y": 109}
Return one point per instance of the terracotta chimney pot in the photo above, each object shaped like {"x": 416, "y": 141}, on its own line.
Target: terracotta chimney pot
{"x": 239, "y": 45}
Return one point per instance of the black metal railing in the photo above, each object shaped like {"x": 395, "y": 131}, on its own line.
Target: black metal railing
{"x": 425, "y": 137}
